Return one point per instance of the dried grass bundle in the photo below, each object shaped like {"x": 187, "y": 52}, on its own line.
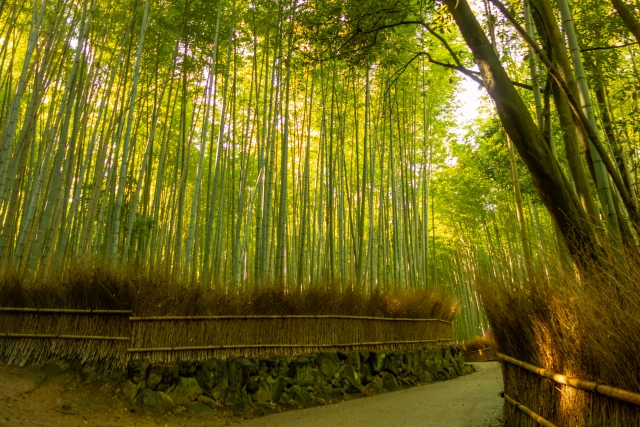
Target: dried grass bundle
{"x": 479, "y": 349}
{"x": 478, "y": 343}
{"x": 102, "y": 286}
{"x": 166, "y": 339}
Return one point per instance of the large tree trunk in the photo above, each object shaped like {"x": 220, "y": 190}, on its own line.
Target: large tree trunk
{"x": 550, "y": 182}
{"x": 630, "y": 21}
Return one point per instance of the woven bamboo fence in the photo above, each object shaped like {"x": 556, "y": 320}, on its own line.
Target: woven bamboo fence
{"x": 481, "y": 355}
{"x": 166, "y": 339}
{"x": 537, "y": 395}
{"x": 108, "y": 338}
{"x": 95, "y": 337}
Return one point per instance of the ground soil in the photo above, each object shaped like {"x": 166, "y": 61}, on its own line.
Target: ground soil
{"x": 54, "y": 395}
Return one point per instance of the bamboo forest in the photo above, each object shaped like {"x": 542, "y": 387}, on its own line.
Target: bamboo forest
{"x": 474, "y": 161}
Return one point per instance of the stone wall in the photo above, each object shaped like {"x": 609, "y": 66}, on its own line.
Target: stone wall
{"x": 277, "y": 383}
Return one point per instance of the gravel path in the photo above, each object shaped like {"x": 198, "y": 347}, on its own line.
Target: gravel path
{"x": 47, "y": 396}
{"x": 469, "y": 401}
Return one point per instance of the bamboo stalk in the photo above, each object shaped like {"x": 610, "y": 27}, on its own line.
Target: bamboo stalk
{"x": 69, "y": 337}
{"x": 62, "y": 310}
{"x": 220, "y": 347}
{"x": 301, "y": 316}
{"x": 606, "y": 390}
{"x": 535, "y": 416}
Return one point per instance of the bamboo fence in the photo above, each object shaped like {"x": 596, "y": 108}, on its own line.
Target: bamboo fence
{"x": 108, "y": 338}
{"x": 95, "y": 337}
{"x": 165, "y": 339}
{"x": 563, "y": 400}
{"x": 534, "y": 416}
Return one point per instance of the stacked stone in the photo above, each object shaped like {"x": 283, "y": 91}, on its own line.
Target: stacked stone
{"x": 270, "y": 384}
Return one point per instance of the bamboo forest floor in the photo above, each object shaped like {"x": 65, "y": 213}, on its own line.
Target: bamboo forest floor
{"x": 51, "y": 397}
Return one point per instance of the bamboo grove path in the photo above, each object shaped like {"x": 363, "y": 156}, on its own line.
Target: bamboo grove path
{"x": 469, "y": 401}
{"x": 50, "y": 397}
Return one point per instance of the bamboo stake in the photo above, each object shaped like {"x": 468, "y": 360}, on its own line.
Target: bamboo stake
{"x": 62, "y": 310}
{"x": 220, "y": 347}
{"x": 606, "y": 390}
{"x": 298, "y": 316}
{"x": 68, "y": 337}
{"x": 535, "y": 416}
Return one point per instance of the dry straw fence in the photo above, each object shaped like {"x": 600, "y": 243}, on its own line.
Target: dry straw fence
{"x": 106, "y": 339}
{"x": 37, "y": 335}
{"x": 622, "y": 406}
{"x": 152, "y": 317}
{"x": 165, "y": 339}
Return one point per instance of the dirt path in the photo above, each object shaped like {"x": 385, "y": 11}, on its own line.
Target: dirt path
{"x": 49, "y": 396}
{"x": 469, "y": 401}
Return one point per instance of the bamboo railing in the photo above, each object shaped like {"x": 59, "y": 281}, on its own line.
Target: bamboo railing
{"x": 542, "y": 421}
{"x": 592, "y": 386}
{"x": 277, "y": 346}
{"x": 61, "y": 336}
{"x": 288, "y": 316}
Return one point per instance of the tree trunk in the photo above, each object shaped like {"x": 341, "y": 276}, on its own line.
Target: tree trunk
{"x": 630, "y": 21}
{"x": 548, "y": 179}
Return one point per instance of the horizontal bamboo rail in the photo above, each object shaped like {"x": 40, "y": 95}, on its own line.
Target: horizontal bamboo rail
{"x": 226, "y": 347}
{"x": 535, "y": 416}
{"x": 477, "y": 351}
{"x": 296, "y": 316}
{"x": 67, "y": 337}
{"x": 63, "y": 310}
{"x": 605, "y": 390}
